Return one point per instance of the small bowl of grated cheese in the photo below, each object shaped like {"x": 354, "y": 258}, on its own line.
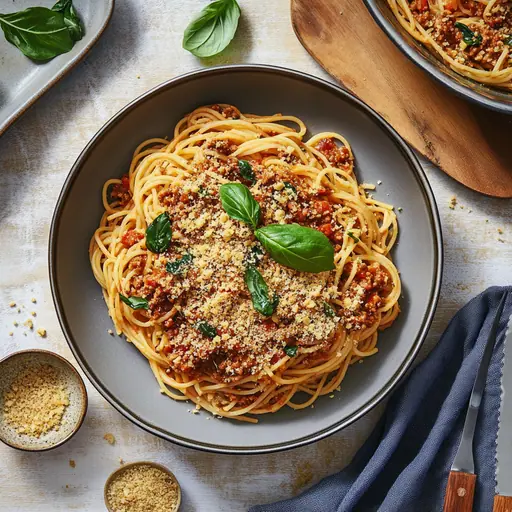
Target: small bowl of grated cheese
{"x": 142, "y": 487}
{"x": 43, "y": 400}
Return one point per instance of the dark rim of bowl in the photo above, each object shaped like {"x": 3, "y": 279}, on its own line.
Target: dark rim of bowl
{"x": 83, "y": 390}
{"x": 4, "y": 125}
{"x": 434, "y": 71}
{"x": 427, "y": 318}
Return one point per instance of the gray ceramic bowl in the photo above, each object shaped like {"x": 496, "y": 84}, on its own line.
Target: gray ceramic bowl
{"x": 488, "y": 97}
{"x": 115, "y": 367}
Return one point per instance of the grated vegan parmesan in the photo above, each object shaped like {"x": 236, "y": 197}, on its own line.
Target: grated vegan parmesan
{"x": 143, "y": 488}
{"x": 36, "y": 401}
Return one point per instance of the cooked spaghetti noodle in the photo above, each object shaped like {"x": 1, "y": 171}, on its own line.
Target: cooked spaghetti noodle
{"x": 187, "y": 308}
{"x": 473, "y": 37}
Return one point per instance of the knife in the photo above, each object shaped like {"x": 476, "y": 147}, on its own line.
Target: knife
{"x": 462, "y": 479}
{"x": 503, "y": 498}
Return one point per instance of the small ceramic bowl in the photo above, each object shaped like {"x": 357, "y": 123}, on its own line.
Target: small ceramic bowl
{"x": 74, "y": 414}
{"x": 118, "y": 472}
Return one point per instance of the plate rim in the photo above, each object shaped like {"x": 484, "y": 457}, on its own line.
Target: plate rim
{"x": 434, "y": 221}
{"x": 61, "y": 73}
{"x": 463, "y": 91}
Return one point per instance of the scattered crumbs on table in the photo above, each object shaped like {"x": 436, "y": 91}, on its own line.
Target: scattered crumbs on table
{"x": 15, "y": 323}
{"x": 331, "y": 396}
{"x": 142, "y": 488}
{"x": 36, "y": 400}
{"x": 111, "y": 332}
{"x": 33, "y": 300}
{"x": 195, "y": 411}
{"x": 453, "y": 202}
{"x": 41, "y": 332}
{"x": 500, "y": 231}
{"x": 11, "y": 333}
{"x": 67, "y": 486}
{"x": 12, "y": 304}
{"x": 461, "y": 206}
{"x": 207, "y": 417}
{"x": 72, "y": 463}
{"x": 121, "y": 461}
{"x": 470, "y": 210}
{"x": 487, "y": 221}
{"x": 312, "y": 406}
{"x": 109, "y": 438}
{"x": 138, "y": 77}
{"x": 338, "y": 388}
{"x": 33, "y": 313}
{"x": 379, "y": 182}
{"x": 400, "y": 209}
{"x": 501, "y": 240}
{"x": 24, "y": 334}
{"x": 28, "y": 323}
{"x": 19, "y": 310}
{"x": 368, "y": 186}
{"x": 361, "y": 361}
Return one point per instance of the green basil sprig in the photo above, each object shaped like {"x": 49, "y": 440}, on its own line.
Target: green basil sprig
{"x": 179, "y": 266}
{"x": 239, "y": 204}
{"x": 213, "y": 29}
{"x": 297, "y": 247}
{"x": 290, "y": 189}
{"x": 259, "y": 292}
{"x": 135, "y": 302}
{"x": 246, "y": 171}
{"x": 468, "y": 36}
{"x": 290, "y": 351}
{"x": 205, "y": 328}
{"x": 328, "y": 310}
{"x": 159, "y": 234}
{"x": 71, "y": 18}
{"x": 42, "y": 34}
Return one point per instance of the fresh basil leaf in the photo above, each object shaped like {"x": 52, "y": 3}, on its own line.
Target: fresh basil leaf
{"x": 290, "y": 351}
{"x": 328, "y": 310}
{"x": 468, "y": 36}
{"x": 179, "y": 266}
{"x": 259, "y": 292}
{"x": 297, "y": 247}
{"x": 290, "y": 189}
{"x": 159, "y": 234}
{"x": 239, "y": 204}
{"x": 205, "y": 328}
{"x": 71, "y": 18}
{"x": 246, "y": 171}
{"x": 135, "y": 302}
{"x": 254, "y": 256}
{"x": 38, "y": 32}
{"x": 213, "y": 29}
{"x": 351, "y": 235}
{"x": 203, "y": 192}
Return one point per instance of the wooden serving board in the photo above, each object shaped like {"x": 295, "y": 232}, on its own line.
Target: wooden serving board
{"x": 471, "y": 144}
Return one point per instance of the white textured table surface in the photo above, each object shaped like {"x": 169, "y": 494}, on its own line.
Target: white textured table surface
{"x": 140, "y": 49}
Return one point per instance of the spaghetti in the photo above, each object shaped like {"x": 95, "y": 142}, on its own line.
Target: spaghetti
{"x": 187, "y": 308}
{"x": 473, "y": 37}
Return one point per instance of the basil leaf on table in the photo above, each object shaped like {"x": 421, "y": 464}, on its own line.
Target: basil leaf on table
{"x": 205, "y": 328}
{"x": 239, "y": 204}
{"x": 468, "y": 36}
{"x": 297, "y": 247}
{"x": 290, "y": 351}
{"x": 213, "y": 29}
{"x": 38, "y": 32}
{"x": 71, "y": 18}
{"x": 159, "y": 234}
{"x": 246, "y": 171}
{"x": 259, "y": 292}
{"x": 135, "y": 302}
{"x": 179, "y": 266}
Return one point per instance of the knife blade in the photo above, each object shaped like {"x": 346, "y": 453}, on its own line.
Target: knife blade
{"x": 460, "y": 489}
{"x": 503, "y": 498}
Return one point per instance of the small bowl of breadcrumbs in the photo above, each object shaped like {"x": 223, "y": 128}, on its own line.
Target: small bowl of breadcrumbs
{"x": 142, "y": 487}
{"x": 43, "y": 400}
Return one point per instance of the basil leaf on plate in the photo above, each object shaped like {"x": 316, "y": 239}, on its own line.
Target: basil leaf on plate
{"x": 290, "y": 189}
{"x": 246, "y": 171}
{"x": 468, "y": 36}
{"x": 71, "y": 18}
{"x": 297, "y": 247}
{"x": 239, "y": 204}
{"x": 259, "y": 292}
{"x": 205, "y": 328}
{"x": 328, "y": 310}
{"x": 290, "y": 351}
{"x": 351, "y": 235}
{"x": 508, "y": 40}
{"x": 38, "y": 32}
{"x": 213, "y": 29}
{"x": 135, "y": 302}
{"x": 179, "y": 266}
{"x": 159, "y": 234}
{"x": 254, "y": 256}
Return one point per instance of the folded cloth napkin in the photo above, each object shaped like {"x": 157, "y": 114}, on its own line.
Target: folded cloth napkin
{"x": 404, "y": 465}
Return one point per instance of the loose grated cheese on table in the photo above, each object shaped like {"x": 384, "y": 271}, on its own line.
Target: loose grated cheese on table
{"x": 36, "y": 400}
{"x": 143, "y": 489}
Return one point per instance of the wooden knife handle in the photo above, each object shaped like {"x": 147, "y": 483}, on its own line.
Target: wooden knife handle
{"x": 502, "y": 503}
{"x": 459, "y": 492}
